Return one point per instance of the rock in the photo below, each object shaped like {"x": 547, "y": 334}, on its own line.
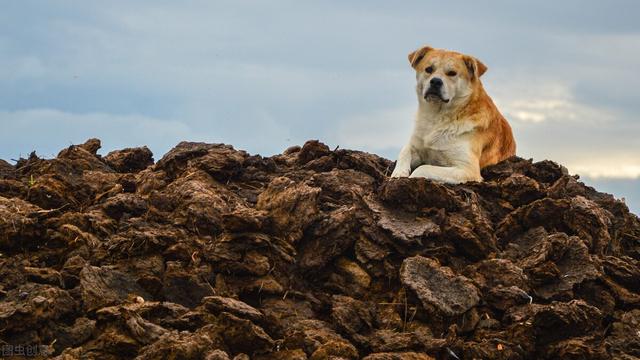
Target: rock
{"x": 414, "y": 194}
{"x": 316, "y": 336}
{"x": 183, "y": 345}
{"x": 282, "y": 313}
{"x": 103, "y": 286}
{"x": 349, "y": 277}
{"x": 19, "y": 228}
{"x": 43, "y": 275}
{"x": 145, "y": 332}
{"x": 221, "y": 162}
{"x": 217, "y": 304}
{"x": 623, "y": 270}
{"x": 74, "y": 335}
{"x": 130, "y": 160}
{"x": 84, "y": 156}
{"x": 6, "y": 170}
{"x": 554, "y": 263}
{"x": 499, "y": 272}
{"x": 32, "y": 306}
{"x": 388, "y": 340}
{"x": 184, "y": 287}
{"x": 624, "y": 338}
{"x": 213, "y": 253}
{"x": 350, "y": 315}
{"x": 589, "y": 347}
{"x": 342, "y": 186}
{"x": 243, "y": 335}
{"x": 244, "y": 219}
{"x": 520, "y": 190}
{"x": 437, "y": 287}
{"x": 468, "y": 238}
{"x": 576, "y": 216}
{"x": 11, "y": 188}
{"x": 113, "y": 340}
{"x": 503, "y": 298}
{"x": 129, "y": 205}
{"x": 543, "y": 171}
{"x": 178, "y": 158}
{"x": 329, "y": 238}
{"x": 284, "y": 197}
{"x": 370, "y": 164}
{"x": 406, "y": 228}
{"x": 197, "y": 202}
{"x": 564, "y": 320}
{"x": 312, "y": 149}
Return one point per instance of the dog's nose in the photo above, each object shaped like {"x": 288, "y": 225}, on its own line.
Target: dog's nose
{"x": 436, "y": 82}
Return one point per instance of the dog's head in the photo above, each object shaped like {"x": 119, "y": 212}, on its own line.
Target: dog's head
{"x": 445, "y": 78}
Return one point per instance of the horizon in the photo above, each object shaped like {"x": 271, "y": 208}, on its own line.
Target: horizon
{"x": 268, "y": 76}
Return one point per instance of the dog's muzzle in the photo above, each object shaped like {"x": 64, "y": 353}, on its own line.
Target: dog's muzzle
{"x": 434, "y": 92}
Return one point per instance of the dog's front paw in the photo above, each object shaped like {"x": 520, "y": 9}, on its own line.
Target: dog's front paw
{"x": 397, "y": 172}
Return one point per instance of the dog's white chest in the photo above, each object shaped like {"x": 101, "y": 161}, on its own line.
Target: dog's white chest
{"x": 442, "y": 142}
{"x": 442, "y": 134}
{"x": 439, "y": 138}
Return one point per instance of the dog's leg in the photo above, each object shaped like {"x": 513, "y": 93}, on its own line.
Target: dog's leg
{"x": 446, "y": 174}
{"x": 403, "y": 165}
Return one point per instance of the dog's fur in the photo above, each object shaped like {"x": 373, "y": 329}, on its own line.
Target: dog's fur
{"x": 458, "y": 130}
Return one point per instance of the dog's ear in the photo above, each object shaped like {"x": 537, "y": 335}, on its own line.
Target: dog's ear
{"x": 475, "y": 66}
{"x": 416, "y": 56}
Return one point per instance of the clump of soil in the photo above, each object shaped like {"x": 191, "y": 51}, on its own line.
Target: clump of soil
{"x": 213, "y": 253}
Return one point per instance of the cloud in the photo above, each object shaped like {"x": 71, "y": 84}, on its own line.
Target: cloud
{"x": 551, "y": 122}
{"x": 527, "y": 99}
{"x": 536, "y": 109}
{"x": 612, "y": 166}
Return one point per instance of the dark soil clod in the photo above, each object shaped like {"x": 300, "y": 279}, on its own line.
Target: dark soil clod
{"x": 212, "y": 253}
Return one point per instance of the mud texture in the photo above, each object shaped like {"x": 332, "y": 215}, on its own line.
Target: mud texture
{"x": 213, "y": 253}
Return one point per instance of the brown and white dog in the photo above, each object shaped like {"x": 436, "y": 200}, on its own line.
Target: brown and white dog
{"x": 458, "y": 130}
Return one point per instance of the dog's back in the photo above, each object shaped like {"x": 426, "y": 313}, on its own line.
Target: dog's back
{"x": 494, "y": 132}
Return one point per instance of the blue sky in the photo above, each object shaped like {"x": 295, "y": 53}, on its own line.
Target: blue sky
{"x": 265, "y": 75}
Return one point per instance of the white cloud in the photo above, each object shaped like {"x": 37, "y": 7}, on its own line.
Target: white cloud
{"x": 533, "y": 100}
{"x": 550, "y": 122}
{"x": 611, "y": 163}
{"x": 603, "y": 168}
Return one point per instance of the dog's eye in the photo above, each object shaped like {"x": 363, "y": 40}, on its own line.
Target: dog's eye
{"x": 452, "y": 73}
{"x": 429, "y": 70}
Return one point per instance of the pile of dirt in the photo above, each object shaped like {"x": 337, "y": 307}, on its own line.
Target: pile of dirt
{"x": 213, "y": 253}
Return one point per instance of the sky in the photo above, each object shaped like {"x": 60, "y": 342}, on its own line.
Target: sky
{"x": 265, "y": 75}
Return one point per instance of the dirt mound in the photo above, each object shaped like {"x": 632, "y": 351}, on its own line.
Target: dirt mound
{"x": 212, "y": 253}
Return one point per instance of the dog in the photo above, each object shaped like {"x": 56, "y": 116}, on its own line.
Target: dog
{"x": 458, "y": 129}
